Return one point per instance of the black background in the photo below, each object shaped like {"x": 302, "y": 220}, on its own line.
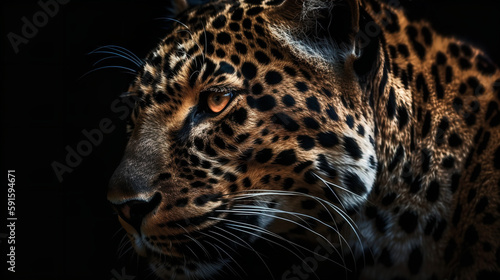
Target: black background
{"x": 66, "y": 230}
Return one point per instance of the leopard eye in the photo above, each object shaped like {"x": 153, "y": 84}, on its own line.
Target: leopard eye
{"x": 217, "y": 101}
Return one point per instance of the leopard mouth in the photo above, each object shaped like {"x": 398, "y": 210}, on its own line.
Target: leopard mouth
{"x": 205, "y": 252}
{"x": 209, "y": 240}
{"x": 233, "y": 235}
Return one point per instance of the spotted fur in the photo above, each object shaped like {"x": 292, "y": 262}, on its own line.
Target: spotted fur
{"x": 346, "y": 119}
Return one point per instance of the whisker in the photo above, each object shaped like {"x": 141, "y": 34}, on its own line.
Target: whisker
{"x": 229, "y": 255}
{"x": 327, "y": 184}
{"x": 188, "y": 235}
{"x": 105, "y": 58}
{"x": 172, "y": 19}
{"x": 341, "y": 237}
{"x": 350, "y": 222}
{"x": 253, "y": 193}
{"x": 194, "y": 72}
{"x": 150, "y": 274}
{"x": 124, "y": 253}
{"x": 218, "y": 240}
{"x": 265, "y": 231}
{"x": 123, "y": 244}
{"x": 118, "y": 231}
{"x": 124, "y": 50}
{"x": 248, "y": 245}
{"x": 123, "y": 240}
{"x": 131, "y": 71}
{"x": 223, "y": 261}
{"x": 189, "y": 248}
{"x": 221, "y": 235}
{"x": 294, "y": 214}
{"x": 262, "y": 230}
{"x": 234, "y": 261}
{"x": 120, "y": 51}
{"x": 337, "y": 186}
{"x": 174, "y": 274}
{"x": 284, "y": 219}
{"x": 113, "y": 55}
{"x": 235, "y": 227}
{"x": 242, "y": 206}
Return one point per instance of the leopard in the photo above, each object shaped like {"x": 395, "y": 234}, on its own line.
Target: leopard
{"x": 296, "y": 139}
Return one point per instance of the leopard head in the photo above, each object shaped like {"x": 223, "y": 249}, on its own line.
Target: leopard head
{"x": 252, "y": 123}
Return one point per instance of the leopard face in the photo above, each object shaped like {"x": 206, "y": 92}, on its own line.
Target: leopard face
{"x": 235, "y": 135}
{"x": 268, "y": 132}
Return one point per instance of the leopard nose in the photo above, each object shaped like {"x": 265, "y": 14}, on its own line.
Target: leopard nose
{"x": 132, "y": 189}
{"x": 132, "y": 180}
{"x": 134, "y": 211}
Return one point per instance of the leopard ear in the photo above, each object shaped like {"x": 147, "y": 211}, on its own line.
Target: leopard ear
{"x": 176, "y": 7}
{"x": 181, "y": 5}
{"x": 321, "y": 30}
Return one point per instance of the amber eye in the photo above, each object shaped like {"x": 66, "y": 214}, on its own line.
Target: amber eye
{"x": 217, "y": 101}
